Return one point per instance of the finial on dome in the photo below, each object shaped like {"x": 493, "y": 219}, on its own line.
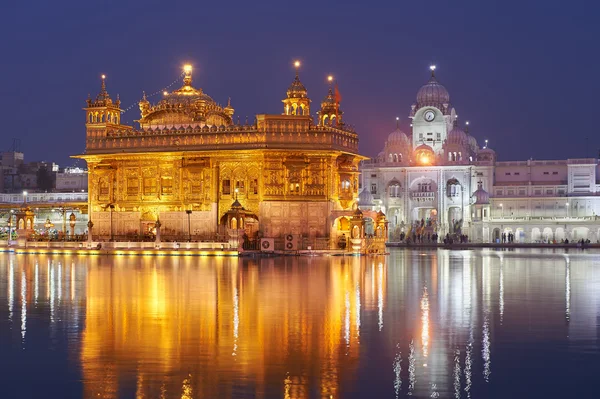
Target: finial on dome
{"x": 187, "y": 72}
{"x": 330, "y": 79}
{"x": 103, "y": 85}
{"x": 144, "y": 95}
{"x": 432, "y": 68}
{"x": 467, "y": 127}
{"x": 297, "y": 66}
{"x": 229, "y": 102}
{"x": 397, "y": 121}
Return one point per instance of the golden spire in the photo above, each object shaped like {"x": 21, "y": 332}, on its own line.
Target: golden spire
{"x": 187, "y": 78}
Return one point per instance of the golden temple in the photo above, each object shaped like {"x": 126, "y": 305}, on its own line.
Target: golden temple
{"x": 188, "y": 161}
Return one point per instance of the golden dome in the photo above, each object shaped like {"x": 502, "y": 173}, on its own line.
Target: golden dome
{"x": 187, "y": 105}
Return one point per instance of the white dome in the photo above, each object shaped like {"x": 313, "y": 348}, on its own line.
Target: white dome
{"x": 457, "y": 135}
{"x": 397, "y": 136}
{"x": 432, "y": 93}
{"x": 365, "y": 198}
{"x": 481, "y": 196}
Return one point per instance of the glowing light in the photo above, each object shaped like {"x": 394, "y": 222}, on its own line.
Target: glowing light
{"x": 297, "y": 64}
{"x": 425, "y": 159}
{"x": 165, "y": 93}
{"x": 397, "y": 118}
{"x": 467, "y": 123}
{"x": 432, "y": 67}
{"x": 187, "y": 68}
{"x": 329, "y": 78}
{"x": 103, "y": 76}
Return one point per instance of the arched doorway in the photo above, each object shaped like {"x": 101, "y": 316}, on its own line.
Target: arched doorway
{"x": 560, "y": 234}
{"x": 580, "y": 233}
{"x": 496, "y": 235}
{"x": 548, "y": 235}
{"x": 536, "y": 235}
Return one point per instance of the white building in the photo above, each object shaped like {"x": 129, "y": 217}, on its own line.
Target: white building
{"x": 438, "y": 179}
{"x": 72, "y": 179}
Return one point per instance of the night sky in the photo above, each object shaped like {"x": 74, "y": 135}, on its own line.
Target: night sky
{"x": 523, "y": 73}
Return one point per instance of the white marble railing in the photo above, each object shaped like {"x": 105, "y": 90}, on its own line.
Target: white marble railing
{"x": 43, "y": 198}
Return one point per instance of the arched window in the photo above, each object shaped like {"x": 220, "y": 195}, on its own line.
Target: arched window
{"x": 395, "y": 157}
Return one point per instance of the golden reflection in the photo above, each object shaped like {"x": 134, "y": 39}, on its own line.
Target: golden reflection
{"x": 220, "y": 319}
{"x": 425, "y": 322}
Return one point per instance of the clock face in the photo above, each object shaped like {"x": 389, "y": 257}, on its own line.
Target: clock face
{"x": 429, "y": 116}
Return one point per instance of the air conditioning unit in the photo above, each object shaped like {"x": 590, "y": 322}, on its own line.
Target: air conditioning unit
{"x": 267, "y": 244}
{"x": 291, "y": 242}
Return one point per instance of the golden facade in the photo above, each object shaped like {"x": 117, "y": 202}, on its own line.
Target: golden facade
{"x": 189, "y": 155}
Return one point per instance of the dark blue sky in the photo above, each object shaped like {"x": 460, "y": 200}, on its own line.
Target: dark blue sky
{"x": 523, "y": 72}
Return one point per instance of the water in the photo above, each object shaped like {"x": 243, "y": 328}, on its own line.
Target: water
{"x": 417, "y": 323}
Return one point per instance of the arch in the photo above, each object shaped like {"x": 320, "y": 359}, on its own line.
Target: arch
{"x": 395, "y": 157}
{"x": 580, "y": 233}
{"x": 496, "y": 235}
{"x": 520, "y": 235}
{"x": 355, "y": 231}
{"x": 28, "y": 224}
{"x": 560, "y": 234}
{"x": 343, "y": 224}
{"x": 21, "y": 224}
{"x": 233, "y": 223}
{"x": 547, "y": 234}
{"x": 536, "y": 235}
{"x": 391, "y": 157}
{"x": 369, "y": 226}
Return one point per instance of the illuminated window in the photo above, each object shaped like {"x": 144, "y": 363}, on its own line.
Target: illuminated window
{"x": 226, "y": 187}
{"x": 149, "y": 185}
{"x": 166, "y": 185}
{"x": 133, "y": 186}
{"x": 239, "y": 186}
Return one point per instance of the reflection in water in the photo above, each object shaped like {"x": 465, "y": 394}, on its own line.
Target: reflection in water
{"x": 456, "y": 374}
{"x": 425, "y": 323}
{"x": 398, "y": 371}
{"x": 568, "y": 290}
{"x": 295, "y": 327}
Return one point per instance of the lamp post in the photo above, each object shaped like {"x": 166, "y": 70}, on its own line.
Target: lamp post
{"x": 111, "y": 206}
{"x": 72, "y": 221}
{"x": 9, "y": 223}
{"x": 25, "y": 197}
{"x": 90, "y": 224}
{"x": 48, "y": 225}
{"x": 502, "y": 211}
{"x": 189, "y": 213}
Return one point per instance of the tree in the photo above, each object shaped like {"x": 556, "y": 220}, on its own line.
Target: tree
{"x": 45, "y": 179}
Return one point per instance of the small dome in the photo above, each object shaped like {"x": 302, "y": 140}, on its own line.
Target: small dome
{"x": 457, "y": 136}
{"x": 432, "y": 93}
{"x": 481, "y": 196}
{"x": 397, "y": 136}
{"x": 472, "y": 141}
{"x": 365, "y": 198}
{"x": 297, "y": 89}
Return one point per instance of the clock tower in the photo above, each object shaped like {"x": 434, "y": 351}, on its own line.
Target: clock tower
{"x": 432, "y": 115}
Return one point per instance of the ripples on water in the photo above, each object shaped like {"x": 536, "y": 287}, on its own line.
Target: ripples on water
{"x": 417, "y": 323}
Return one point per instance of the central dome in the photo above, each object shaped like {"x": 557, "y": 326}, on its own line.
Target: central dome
{"x": 397, "y": 136}
{"x": 432, "y": 93}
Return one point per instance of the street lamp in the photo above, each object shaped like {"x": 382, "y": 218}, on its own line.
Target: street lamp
{"x": 24, "y": 197}
{"x": 502, "y": 211}
{"x": 189, "y": 213}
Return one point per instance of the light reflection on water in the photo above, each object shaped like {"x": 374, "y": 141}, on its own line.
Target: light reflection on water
{"x": 457, "y": 324}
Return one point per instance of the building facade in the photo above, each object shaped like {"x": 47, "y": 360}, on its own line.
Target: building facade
{"x": 438, "y": 179}
{"x": 188, "y": 161}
